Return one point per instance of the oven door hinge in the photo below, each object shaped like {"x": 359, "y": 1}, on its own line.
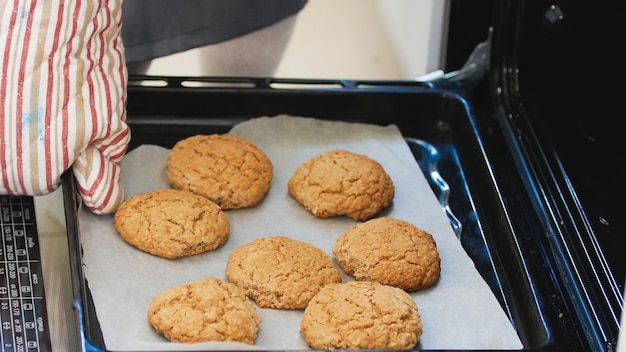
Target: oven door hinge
{"x": 473, "y": 70}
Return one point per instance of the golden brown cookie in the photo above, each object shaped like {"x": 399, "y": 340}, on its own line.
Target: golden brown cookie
{"x": 280, "y": 272}
{"x": 228, "y": 170}
{"x": 172, "y": 223}
{"x": 340, "y": 182}
{"x": 204, "y": 310}
{"x": 361, "y": 315}
{"x": 390, "y": 251}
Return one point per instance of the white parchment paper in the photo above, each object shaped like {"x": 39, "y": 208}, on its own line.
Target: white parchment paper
{"x": 458, "y": 312}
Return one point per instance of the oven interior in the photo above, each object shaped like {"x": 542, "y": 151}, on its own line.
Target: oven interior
{"x": 530, "y": 157}
{"x": 547, "y": 95}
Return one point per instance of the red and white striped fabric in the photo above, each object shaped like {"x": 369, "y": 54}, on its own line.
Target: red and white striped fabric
{"x": 63, "y": 98}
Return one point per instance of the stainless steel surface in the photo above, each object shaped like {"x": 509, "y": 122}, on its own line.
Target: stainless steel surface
{"x": 57, "y": 279}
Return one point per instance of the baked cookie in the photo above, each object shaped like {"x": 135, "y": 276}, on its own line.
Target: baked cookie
{"x": 280, "y": 272}
{"x": 390, "y": 251}
{"x": 361, "y": 315}
{"x": 172, "y": 223}
{"x": 228, "y": 170}
{"x": 204, "y": 310}
{"x": 340, "y": 182}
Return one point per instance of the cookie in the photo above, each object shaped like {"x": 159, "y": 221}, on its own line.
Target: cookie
{"x": 341, "y": 182}
{"x": 361, "y": 315}
{"x": 204, "y": 310}
{"x": 280, "y": 272}
{"x": 389, "y": 251}
{"x": 172, "y": 223}
{"x": 228, "y": 170}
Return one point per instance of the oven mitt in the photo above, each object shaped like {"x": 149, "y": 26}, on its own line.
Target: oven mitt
{"x": 63, "y": 99}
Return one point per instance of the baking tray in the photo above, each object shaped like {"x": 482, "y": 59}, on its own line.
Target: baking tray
{"x": 437, "y": 121}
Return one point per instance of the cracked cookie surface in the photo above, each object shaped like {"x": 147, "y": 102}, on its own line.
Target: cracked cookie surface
{"x": 390, "y": 251}
{"x": 340, "y": 182}
{"x": 204, "y": 310}
{"x": 172, "y": 223}
{"x": 228, "y": 170}
{"x": 361, "y": 315}
{"x": 280, "y": 272}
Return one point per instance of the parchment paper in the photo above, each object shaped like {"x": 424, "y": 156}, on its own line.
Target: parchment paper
{"x": 458, "y": 312}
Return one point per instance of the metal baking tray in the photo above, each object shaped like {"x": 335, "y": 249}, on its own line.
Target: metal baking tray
{"x": 441, "y": 128}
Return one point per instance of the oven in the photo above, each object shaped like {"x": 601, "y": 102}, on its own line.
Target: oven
{"x": 518, "y": 141}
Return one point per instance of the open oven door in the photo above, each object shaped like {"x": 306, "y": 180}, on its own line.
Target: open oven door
{"x": 552, "y": 92}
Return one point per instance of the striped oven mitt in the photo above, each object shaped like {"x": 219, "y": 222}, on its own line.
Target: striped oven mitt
{"x": 63, "y": 98}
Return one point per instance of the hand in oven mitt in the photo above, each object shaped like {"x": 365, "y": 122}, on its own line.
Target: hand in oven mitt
{"x": 63, "y": 99}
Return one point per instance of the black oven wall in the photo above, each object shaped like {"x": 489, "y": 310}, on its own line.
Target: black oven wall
{"x": 554, "y": 94}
